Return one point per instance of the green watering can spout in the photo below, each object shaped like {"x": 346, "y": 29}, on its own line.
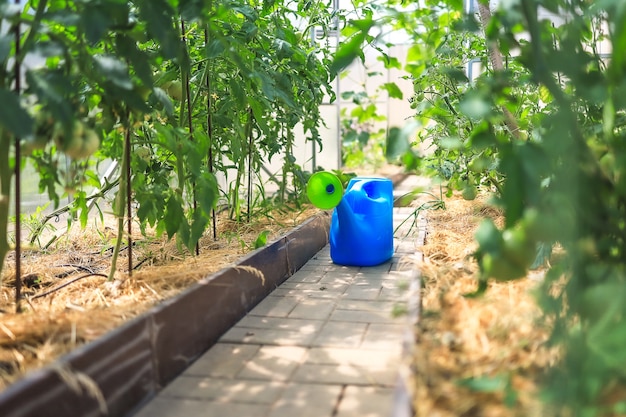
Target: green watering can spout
{"x": 324, "y": 190}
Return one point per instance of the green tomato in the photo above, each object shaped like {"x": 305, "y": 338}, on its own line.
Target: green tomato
{"x": 469, "y": 192}
{"x": 143, "y": 152}
{"x": 91, "y": 143}
{"x": 518, "y": 249}
{"x": 607, "y": 165}
{"x": 596, "y": 300}
{"x": 175, "y": 90}
{"x": 500, "y": 268}
{"x": 539, "y": 227}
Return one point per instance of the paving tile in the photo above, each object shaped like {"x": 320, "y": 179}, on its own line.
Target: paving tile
{"x": 383, "y": 336}
{"x": 313, "y": 267}
{"x": 168, "y": 407}
{"x": 307, "y": 400}
{"x": 223, "y": 360}
{"x": 273, "y": 363}
{"x": 224, "y": 390}
{"x": 360, "y": 316}
{"x": 382, "y": 268}
{"x": 369, "y": 280}
{"x": 315, "y": 288}
{"x": 308, "y": 290}
{"x": 406, "y": 276}
{"x": 317, "y": 309}
{"x": 366, "y": 402}
{"x": 406, "y": 246}
{"x": 389, "y": 359}
{"x": 366, "y": 275}
{"x": 345, "y": 278}
{"x": 300, "y": 295}
{"x": 342, "y": 268}
{"x": 306, "y": 326}
{"x": 403, "y": 264}
{"x": 322, "y": 261}
{"x": 274, "y": 306}
{"x": 340, "y": 334}
{"x": 390, "y": 294}
{"x": 346, "y": 374}
{"x": 363, "y": 291}
{"x": 239, "y": 334}
{"x": 365, "y": 305}
{"x": 310, "y": 276}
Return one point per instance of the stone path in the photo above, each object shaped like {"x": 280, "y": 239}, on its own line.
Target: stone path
{"x": 324, "y": 343}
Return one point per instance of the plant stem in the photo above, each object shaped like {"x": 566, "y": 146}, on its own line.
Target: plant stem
{"x": 37, "y": 232}
{"x": 120, "y": 202}
{"x": 5, "y": 196}
{"x": 127, "y": 150}
{"x": 250, "y": 156}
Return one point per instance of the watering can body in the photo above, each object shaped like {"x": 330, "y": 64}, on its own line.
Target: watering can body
{"x": 361, "y": 230}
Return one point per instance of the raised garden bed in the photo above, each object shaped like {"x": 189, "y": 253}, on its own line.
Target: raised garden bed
{"x": 117, "y": 373}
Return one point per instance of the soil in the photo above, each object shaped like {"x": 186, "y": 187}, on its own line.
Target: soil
{"x": 478, "y": 356}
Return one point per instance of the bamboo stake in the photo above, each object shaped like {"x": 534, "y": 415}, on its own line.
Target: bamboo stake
{"x": 185, "y": 75}
{"x": 209, "y": 124}
{"x": 18, "y": 180}
{"x": 495, "y": 57}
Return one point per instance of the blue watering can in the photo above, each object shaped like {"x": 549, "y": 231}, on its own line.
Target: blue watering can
{"x": 361, "y": 229}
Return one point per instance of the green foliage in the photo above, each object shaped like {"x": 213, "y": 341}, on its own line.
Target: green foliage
{"x": 199, "y": 89}
{"x": 545, "y": 133}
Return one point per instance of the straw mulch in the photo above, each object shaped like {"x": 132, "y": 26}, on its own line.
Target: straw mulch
{"x": 474, "y": 356}
{"x": 68, "y": 302}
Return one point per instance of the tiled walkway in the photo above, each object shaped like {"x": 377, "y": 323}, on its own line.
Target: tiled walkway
{"x": 327, "y": 342}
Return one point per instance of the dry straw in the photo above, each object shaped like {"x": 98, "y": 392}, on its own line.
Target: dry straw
{"x": 469, "y": 349}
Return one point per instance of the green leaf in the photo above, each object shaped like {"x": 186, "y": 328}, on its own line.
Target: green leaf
{"x": 393, "y": 90}
{"x": 174, "y": 216}
{"x": 488, "y": 236}
{"x": 114, "y": 70}
{"x": 127, "y": 47}
{"x": 5, "y": 47}
{"x": 207, "y": 192}
{"x": 95, "y": 23}
{"x": 475, "y": 106}
{"x": 351, "y": 49}
{"x": 389, "y": 61}
{"x": 456, "y": 75}
{"x": 198, "y": 226}
{"x": 261, "y": 239}
{"x": 215, "y": 48}
{"x": 13, "y": 117}
{"x": 159, "y": 17}
{"x": 398, "y": 140}
{"x": 451, "y": 142}
{"x": 164, "y": 99}
{"x": 485, "y": 384}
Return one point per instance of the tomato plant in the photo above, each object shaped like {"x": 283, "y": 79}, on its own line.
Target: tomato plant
{"x": 543, "y": 129}
{"x": 178, "y": 94}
